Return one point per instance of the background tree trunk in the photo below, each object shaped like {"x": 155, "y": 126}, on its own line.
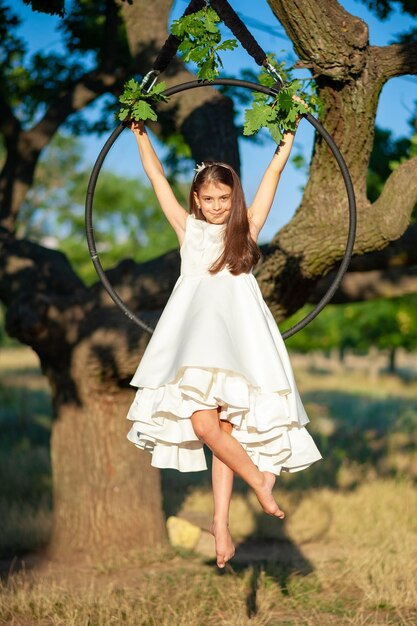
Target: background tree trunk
{"x": 107, "y": 500}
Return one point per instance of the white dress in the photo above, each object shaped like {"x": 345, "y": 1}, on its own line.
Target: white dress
{"x": 217, "y": 344}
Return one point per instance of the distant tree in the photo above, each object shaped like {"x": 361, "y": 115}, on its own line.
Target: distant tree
{"x": 128, "y": 220}
{"x": 385, "y": 324}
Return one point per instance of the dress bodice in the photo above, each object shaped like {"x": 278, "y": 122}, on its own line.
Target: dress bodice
{"x": 202, "y": 245}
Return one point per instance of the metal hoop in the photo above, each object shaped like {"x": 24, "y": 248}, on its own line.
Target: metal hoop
{"x": 254, "y": 87}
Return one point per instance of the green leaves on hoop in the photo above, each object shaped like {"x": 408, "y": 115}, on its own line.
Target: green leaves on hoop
{"x": 279, "y": 114}
{"x": 201, "y": 41}
{"x": 138, "y": 105}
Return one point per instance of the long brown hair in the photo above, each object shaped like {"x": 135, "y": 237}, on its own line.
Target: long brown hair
{"x": 240, "y": 252}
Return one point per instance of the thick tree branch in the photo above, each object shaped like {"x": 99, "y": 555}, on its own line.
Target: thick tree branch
{"x": 26, "y": 266}
{"x": 24, "y": 148}
{"x": 81, "y": 93}
{"x": 378, "y": 224}
{"x": 192, "y": 113}
{"x": 325, "y": 35}
{"x": 400, "y": 253}
{"x": 308, "y": 247}
{"x": 395, "y": 60}
{"x": 383, "y": 273}
{"x": 335, "y": 45}
{"x": 49, "y": 308}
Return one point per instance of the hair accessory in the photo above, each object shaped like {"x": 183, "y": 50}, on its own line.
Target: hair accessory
{"x": 199, "y": 168}
{"x": 202, "y": 166}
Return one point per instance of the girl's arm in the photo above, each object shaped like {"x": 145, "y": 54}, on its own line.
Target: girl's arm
{"x": 175, "y": 213}
{"x": 264, "y": 197}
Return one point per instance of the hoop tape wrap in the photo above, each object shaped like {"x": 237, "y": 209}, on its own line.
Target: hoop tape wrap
{"x": 254, "y": 87}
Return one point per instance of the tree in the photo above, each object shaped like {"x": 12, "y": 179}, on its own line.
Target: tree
{"x": 105, "y": 493}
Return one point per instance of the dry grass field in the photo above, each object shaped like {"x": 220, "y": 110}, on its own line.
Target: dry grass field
{"x": 345, "y": 554}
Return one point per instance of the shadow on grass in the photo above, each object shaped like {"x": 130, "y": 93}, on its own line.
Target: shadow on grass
{"x": 358, "y": 436}
{"x": 278, "y": 560}
{"x": 268, "y": 551}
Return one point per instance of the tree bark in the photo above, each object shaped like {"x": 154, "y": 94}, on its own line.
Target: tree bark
{"x": 386, "y": 273}
{"x": 364, "y": 286}
{"x": 107, "y": 499}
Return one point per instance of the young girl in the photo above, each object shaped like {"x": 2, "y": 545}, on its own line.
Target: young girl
{"x": 216, "y": 370}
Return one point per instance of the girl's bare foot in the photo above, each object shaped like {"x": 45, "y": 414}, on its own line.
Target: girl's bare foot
{"x": 265, "y": 497}
{"x": 225, "y": 549}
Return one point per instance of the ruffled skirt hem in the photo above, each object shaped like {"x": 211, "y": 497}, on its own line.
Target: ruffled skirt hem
{"x": 264, "y": 424}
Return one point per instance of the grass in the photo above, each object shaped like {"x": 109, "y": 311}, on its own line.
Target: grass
{"x": 189, "y": 592}
{"x": 345, "y": 554}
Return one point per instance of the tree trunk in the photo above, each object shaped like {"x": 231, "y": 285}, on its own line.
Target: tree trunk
{"x": 107, "y": 500}
{"x": 386, "y": 273}
{"x": 107, "y": 497}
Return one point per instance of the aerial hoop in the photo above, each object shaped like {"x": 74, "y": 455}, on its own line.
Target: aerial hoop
{"x": 254, "y": 87}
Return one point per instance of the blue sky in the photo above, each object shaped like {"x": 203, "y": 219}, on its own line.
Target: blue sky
{"x": 396, "y": 104}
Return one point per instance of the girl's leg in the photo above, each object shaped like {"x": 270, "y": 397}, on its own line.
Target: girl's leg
{"x": 228, "y": 449}
{"x": 222, "y": 479}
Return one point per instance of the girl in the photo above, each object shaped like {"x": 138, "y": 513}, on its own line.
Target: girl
{"x": 216, "y": 370}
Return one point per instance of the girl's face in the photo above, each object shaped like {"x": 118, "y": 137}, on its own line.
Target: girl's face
{"x": 215, "y": 201}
